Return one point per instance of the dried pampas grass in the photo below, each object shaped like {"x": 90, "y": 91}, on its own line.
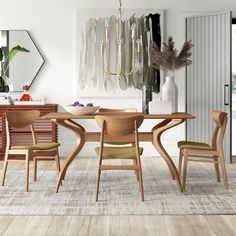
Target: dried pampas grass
{"x": 168, "y": 59}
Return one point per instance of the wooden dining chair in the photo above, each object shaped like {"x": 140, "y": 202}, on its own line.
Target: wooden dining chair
{"x": 203, "y": 152}
{"x": 35, "y": 151}
{"x": 125, "y": 128}
{"x": 118, "y": 111}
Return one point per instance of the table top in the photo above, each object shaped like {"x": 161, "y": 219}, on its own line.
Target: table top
{"x": 67, "y": 115}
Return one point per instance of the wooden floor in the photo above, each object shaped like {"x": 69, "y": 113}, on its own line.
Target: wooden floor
{"x": 118, "y": 225}
{"x": 207, "y": 225}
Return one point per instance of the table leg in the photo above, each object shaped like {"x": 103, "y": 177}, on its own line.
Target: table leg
{"x": 157, "y": 132}
{"x": 80, "y": 140}
{"x": 159, "y": 125}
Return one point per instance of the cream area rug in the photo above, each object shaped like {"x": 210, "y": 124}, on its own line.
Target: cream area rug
{"x": 119, "y": 194}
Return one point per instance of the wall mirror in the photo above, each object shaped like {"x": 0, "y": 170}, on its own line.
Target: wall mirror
{"x": 25, "y": 66}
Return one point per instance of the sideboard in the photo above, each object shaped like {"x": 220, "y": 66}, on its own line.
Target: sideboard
{"x": 46, "y": 131}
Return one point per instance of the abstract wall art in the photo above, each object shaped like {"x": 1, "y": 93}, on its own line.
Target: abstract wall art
{"x": 113, "y": 51}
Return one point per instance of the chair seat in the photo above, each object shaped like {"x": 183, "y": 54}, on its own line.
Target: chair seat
{"x": 118, "y": 152}
{"x": 193, "y": 145}
{"x": 38, "y": 146}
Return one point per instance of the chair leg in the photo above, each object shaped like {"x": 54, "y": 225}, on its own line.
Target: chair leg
{"x": 136, "y": 172}
{"x": 98, "y": 182}
{"x": 5, "y": 164}
{"x": 223, "y": 169}
{"x": 35, "y": 164}
{"x": 57, "y": 162}
{"x": 140, "y": 178}
{"x": 217, "y": 172}
{"x": 27, "y": 172}
{"x": 135, "y": 162}
{"x": 99, "y": 171}
{"x": 58, "y": 166}
{"x": 185, "y": 170}
{"x": 180, "y": 162}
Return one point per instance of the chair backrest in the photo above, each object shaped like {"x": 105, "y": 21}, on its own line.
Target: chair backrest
{"x": 21, "y": 119}
{"x": 220, "y": 118}
{"x": 117, "y": 110}
{"x": 119, "y": 125}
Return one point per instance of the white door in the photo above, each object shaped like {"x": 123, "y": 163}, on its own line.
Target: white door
{"x": 209, "y": 76}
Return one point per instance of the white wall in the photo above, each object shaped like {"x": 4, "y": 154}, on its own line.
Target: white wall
{"x": 52, "y": 26}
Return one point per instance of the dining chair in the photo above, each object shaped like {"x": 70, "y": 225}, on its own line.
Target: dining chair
{"x": 36, "y": 151}
{"x": 125, "y": 127}
{"x": 117, "y": 111}
{"x": 203, "y": 152}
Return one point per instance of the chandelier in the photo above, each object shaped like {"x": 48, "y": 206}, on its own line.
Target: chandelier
{"x": 120, "y": 71}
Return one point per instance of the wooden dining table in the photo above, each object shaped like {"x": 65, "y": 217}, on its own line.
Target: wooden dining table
{"x": 71, "y": 122}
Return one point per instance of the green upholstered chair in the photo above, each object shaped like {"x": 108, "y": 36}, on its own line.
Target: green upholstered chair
{"x": 35, "y": 151}
{"x": 203, "y": 152}
{"x": 116, "y": 131}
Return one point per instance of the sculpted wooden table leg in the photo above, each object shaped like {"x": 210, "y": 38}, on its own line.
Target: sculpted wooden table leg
{"x": 160, "y": 125}
{"x": 157, "y": 132}
{"x": 79, "y": 132}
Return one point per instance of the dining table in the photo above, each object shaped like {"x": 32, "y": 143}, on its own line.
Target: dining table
{"x": 164, "y": 123}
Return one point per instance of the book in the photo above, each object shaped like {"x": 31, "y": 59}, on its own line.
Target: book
{"x": 5, "y": 103}
{"x": 5, "y": 100}
{"x": 38, "y": 102}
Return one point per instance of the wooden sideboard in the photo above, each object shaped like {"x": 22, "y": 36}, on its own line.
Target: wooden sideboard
{"x": 46, "y": 131}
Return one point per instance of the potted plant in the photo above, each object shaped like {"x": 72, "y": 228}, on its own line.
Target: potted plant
{"x": 5, "y": 82}
{"x": 169, "y": 60}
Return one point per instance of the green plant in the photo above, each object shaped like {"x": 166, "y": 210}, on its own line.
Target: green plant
{"x": 5, "y": 59}
{"x": 168, "y": 59}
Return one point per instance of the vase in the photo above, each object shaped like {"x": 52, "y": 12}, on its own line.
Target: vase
{"x": 170, "y": 93}
{"x": 8, "y": 83}
{"x": 26, "y": 95}
{"x": 146, "y": 98}
{"x": 3, "y": 86}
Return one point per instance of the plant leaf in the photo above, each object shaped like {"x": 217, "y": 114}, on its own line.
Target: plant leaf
{"x": 168, "y": 59}
{"x": 184, "y": 54}
{"x": 15, "y": 50}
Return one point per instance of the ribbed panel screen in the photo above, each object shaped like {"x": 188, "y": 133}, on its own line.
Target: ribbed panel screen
{"x": 209, "y": 76}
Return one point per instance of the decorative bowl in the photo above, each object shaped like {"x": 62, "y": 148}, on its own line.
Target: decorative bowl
{"x": 76, "y": 110}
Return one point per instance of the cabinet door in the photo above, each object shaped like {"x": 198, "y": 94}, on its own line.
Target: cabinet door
{"x": 209, "y": 76}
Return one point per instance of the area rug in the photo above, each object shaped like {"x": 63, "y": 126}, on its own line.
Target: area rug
{"x": 119, "y": 194}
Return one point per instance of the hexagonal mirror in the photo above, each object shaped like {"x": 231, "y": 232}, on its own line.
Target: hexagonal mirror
{"x": 25, "y": 66}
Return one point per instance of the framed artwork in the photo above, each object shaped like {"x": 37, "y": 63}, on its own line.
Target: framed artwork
{"x": 113, "y": 55}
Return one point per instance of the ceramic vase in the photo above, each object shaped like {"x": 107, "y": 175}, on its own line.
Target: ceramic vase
{"x": 8, "y": 83}
{"x": 3, "y": 86}
{"x": 170, "y": 93}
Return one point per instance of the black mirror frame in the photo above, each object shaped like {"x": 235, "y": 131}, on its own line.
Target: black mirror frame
{"x": 41, "y": 57}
